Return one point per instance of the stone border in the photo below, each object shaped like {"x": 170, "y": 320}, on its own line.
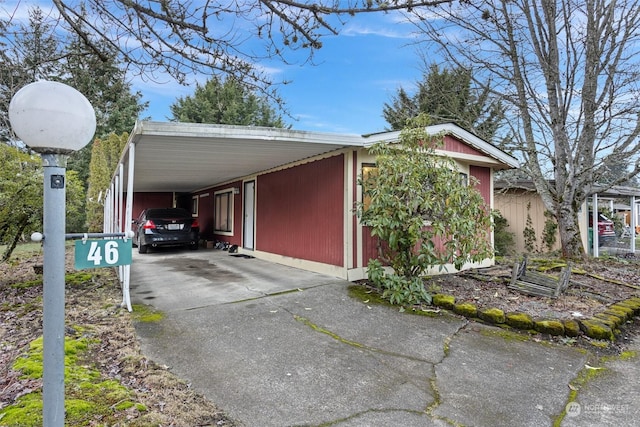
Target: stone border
{"x": 602, "y": 326}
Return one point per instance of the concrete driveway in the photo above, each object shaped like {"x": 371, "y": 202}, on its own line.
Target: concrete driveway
{"x": 174, "y": 279}
{"x": 277, "y": 346}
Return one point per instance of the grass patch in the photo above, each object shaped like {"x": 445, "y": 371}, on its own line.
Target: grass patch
{"x": 367, "y": 295}
{"x": 146, "y": 313}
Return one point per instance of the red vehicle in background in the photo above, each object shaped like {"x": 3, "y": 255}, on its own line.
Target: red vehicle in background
{"x": 606, "y": 229}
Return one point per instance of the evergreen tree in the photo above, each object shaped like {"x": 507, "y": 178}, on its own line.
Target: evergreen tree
{"x": 31, "y": 53}
{"x": 103, "y": 81}
{"x": 105, "y": 155}
{"x": 230, "y": 102}
{"x": 412, "y": 185}
{"x": 447, "y": 96}
{"x": 36, "y": 51}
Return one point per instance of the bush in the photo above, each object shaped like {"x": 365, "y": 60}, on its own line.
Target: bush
{"x": 398, "y": 289}
{"x": 416, "y": 203}
{"x": 504, "y": 240}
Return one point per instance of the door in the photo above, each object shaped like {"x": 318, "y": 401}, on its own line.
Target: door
{"x": 249, "y": 211}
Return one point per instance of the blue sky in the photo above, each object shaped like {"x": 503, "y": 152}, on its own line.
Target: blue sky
{"x": 356, "y": 73}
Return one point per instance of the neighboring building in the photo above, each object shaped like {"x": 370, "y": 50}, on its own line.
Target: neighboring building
{"x": 518, "y": 200}
{"x": 281, "y": 195}
{"x": 516, "y": 203}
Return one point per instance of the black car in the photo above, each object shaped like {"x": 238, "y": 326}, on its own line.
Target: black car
{"x": 165, "y": 227}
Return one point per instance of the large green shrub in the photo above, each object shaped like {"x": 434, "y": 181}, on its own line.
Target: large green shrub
{"x": 427, "y": 216}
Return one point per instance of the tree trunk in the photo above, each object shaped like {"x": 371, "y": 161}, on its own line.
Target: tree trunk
{"x": 570, "y": 237}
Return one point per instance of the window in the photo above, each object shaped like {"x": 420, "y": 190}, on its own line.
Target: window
{"x": 224, "y": 211}
{"x": 464, "y": 178}
{"x": 194, "y": 206}
{"x": 368, "y": 171}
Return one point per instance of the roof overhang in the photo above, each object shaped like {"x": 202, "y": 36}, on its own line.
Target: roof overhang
{"x": 615, "y": 192}
{"x": 499, "y": 159}
{"x": 187, "y": 157}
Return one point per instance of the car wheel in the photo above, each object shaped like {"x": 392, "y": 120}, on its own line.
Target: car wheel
{"x": 193, "y": 246}
{"x": 143, "y": 249}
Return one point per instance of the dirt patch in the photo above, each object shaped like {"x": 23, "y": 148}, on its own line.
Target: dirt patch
{"x": 93, "y": 307}
{"x": 593, "y": 286}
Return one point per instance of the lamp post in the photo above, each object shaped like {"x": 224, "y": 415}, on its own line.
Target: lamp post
{"x": 54, "y": 120}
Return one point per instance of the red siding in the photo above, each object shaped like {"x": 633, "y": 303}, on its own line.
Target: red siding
{"x": 483, "y": 175}
{"x": 300, "y": 211}
{"x": 142, "y": 201}
{"x": 455, "y": 146}
{"x": 205, "y": 213}
{"x": 369, "y": 246}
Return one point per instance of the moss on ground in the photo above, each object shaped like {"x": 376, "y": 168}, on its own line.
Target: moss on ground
{"x": 625, "y": 313}
{"x": 492, "y": 315}
{"x": 585, "y": 375}
{"x": 366, "y": 295}
{"x": 571, "y": 328}
{"x": 87, "y": 394}
{"x": 519, "y": 320}
{"x": 611, "y": 320}
{"x": 146, "y": 313}
{"x": 597, "y": 330}
{"x": 507, "y": 335}
{"x": 548, "y": 326}
{"x": 466, "y": 309}
{"x": 444, "y": 301}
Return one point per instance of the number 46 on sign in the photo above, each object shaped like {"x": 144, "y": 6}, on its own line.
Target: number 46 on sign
{"x": 102, "y": 253}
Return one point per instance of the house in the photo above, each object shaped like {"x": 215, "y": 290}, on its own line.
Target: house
{"x": 282, "y": 195}
{"x": 518, "y": 201}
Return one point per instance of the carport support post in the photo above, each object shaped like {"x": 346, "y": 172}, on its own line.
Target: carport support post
{"x": 53, "y": 289}
{"x": 632, "y": 223}
{"x": 594, "y": 227}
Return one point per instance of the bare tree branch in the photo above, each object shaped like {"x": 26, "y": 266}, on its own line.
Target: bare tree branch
{"x": 569, "y": 71}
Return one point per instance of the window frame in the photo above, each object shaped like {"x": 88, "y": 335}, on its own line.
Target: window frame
{"x": 365, "y": 170}
{"x": 195, "y": 204}
{"x": 218, "y": 223}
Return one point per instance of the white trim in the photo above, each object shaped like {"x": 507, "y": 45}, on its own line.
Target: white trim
{"x": 195, "y": 206}
{"x": 317, "y": 267}
{"x": 253, "y": 214}
{"x": 348, "y": 211}
{"x": 231, "y": 132}
{"x": 364, "y": 157}
{"x": 230, "y": 190}
{"x": 474, "y": 159}
{"x": 457, "y": 132}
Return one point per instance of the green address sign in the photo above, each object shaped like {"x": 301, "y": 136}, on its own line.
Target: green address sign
{"x": 102, "y": 253}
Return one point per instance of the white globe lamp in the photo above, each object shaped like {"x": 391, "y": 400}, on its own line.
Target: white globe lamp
{"x": 54, "y": 120}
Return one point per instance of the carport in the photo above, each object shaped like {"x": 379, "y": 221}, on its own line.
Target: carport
{"x": 608, "y": 197}
{"x": 185, "y": 157}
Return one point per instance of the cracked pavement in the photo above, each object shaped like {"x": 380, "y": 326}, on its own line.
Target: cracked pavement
{"x": 317, "y": 357}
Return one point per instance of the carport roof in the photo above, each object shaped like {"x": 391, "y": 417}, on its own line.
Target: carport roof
{"x": 186, "y": 157}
